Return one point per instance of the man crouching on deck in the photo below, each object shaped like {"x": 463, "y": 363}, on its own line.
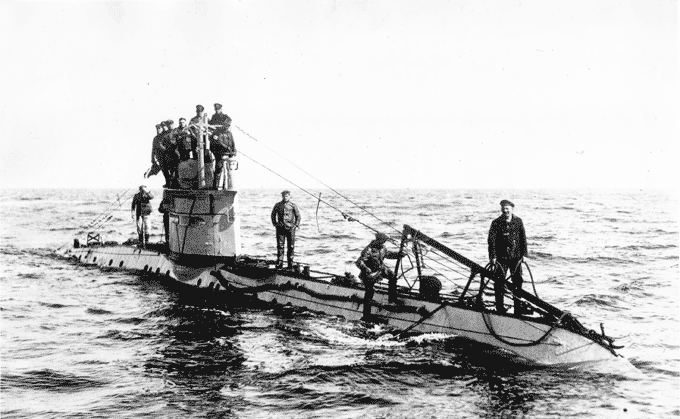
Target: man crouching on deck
{"x": 508, "y": 248}
{"x": 373, "y": 269}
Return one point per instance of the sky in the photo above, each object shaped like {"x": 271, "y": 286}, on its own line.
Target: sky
{"x": 357, "y": 94}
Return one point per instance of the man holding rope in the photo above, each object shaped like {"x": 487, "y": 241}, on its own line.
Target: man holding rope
{"x": 371, "y": 262}
{"x": 507, "y": 250}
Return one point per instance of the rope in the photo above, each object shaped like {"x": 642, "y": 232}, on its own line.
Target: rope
{"x": 318, "y": 180}
{"x": 103, "y": 217}
{"x": 307, "y": 192}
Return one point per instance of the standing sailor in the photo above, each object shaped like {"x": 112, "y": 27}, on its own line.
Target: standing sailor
{"x": 141, "y": 209}
{"x": 196, "y": 130}
{"x": 371, "y": 262}
{"x": 169, "y": 154}
{"x": 286, "y": 219}
{"x": 221, "y": 143}
{"x": 507, "y": 249}
{"x": 155, "y": 153}
{"x": 186, "y": 143}
{"x": 155, "y": 146}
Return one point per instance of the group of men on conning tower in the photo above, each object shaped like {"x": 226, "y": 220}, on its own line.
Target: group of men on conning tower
{"x": 173, "y": 146}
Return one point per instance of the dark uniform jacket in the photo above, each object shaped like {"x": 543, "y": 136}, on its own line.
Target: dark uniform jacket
{"x": 507, "y": 240}
{"x": 220, "y": 119}
{"x": 185, "y": 140}
{"x": 223, "y": 143}
{"x": 373, "y": 256}
{"x": 168, "y": 146}
{"x": 141, "y": 203}
{"x": 285, "y": 215}
{"x": 156, "y": 149}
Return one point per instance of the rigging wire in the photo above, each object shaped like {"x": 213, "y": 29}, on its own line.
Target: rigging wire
{"x": 105, "y": 216}
{"x": 316, "y": 179}
{"x": 308, "y": 192}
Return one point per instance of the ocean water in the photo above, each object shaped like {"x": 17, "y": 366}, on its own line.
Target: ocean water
{"x": 80, "y": 342}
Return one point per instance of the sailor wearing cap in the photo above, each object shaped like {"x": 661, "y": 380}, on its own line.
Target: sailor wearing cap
{"x": 199, "y": 116}
{"x": 373, "y": 269}
{"x": 141, "y": 209}
{"x": 507, "y": 250}
{"x": 155, "y": 147}
{"x": 220, "y": 121}
{"x": 221, "y": 143}
{"x": 168, "y": 155}
{"x": 286, "y": 218}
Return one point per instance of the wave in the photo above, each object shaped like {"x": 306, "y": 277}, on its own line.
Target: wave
{"x": 446, "y": 234}
{"x": 600, "y": 300}
{"x": 50, "y": 380}
{"x": 125, "y": 335}
{"x": 97, "y": 311}
{"x": 644, "y": 247}
{"x": 29, "y": 275}
{"x": 548, "y": 237}
{"x": 53, "y": 305}
{"x": 130, "y": 320}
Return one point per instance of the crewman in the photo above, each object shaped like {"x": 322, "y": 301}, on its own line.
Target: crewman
{"x": 165, "y": 208}
{"x": 220, "y": 121}
{"x": 169, "y": 155}
{"x": 221, "y": 143}
{"x": 507, "y": 250}
{"x": 186, "y": 142}
{"x": 371, "y": 263}
{"x": 141, "y": 209}
{"x": 199, "y": 115}
{"x": 155, "y": 146}
{"x": 195, "y": 121}
{"x": 286, "y": 218}
{"x": 155, "y": 153}
{"x": 196, "y": 131}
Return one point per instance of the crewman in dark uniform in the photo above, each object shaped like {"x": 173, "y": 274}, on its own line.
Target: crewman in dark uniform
{"x": 507, "y": 249}
{"x": 141, "y": 209}
{"x": 221, "y": 141}
{"x": 155, "y": 149}
{"x": 165, "y": 208}
{"x": 286, "y": 218}
{"x": 193, "y": 122}
{"x": 186, "y": 142}
{"x": 371, "y": 263}
{"x": 155, "y": 153}
{"x": 169, "y": 154}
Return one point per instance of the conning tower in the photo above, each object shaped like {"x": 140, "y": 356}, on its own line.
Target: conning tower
{"x": 203, "y": 224}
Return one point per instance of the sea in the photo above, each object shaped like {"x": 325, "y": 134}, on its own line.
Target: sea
{"x": 79, "y": 342}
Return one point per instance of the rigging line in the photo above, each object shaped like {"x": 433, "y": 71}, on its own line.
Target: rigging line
{"x": 118, "y": 201}
{"x": 108, "y": 216}
{"x": 317, "y": 213}
{"x": 304, "y": 190}
{"x": 452, "y": 281}
{"x": 448, "y": 267}
{"x": 102, "y": 217}
{"x": 106, "y": 211}
{"x": 313, "y": 177}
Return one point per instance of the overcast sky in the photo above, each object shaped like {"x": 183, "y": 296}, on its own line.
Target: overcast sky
{"x": 360, "y": 94}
